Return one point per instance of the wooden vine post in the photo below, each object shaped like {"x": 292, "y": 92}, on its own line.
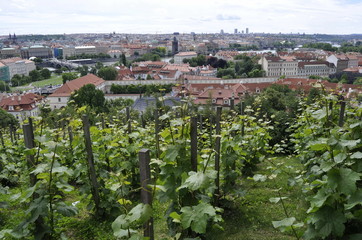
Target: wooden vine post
{"x": 129, "y": 127}
{"x": 193, "y": 136}
{"x": 146, "y": 191}
{"x": 91, "y": 168}
{"x": 157, "y": 129}
{"x": 217, "y": 154}
{"x": 242, "y": 114}
{"x": 341, "y": 114}
{"x": 30, "y": 159}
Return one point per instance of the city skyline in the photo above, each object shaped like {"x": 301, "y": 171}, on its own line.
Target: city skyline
{"x": 160, "y": 16}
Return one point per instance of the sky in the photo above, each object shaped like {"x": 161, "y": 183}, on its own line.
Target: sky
{"x": 184, "y": 16}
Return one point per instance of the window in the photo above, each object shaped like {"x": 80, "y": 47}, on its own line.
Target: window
{"x": 213, "y": 100}
{"x": 59, "y": 99}
{"x": 11, "y": 108}
{"x": 226, "y": 101}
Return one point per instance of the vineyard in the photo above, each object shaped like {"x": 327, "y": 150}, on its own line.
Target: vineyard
{"x": 182, "y": 173}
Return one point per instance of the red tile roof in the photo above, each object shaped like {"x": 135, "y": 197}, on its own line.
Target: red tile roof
{"x": 20, "y": 102}
{"x": 69, "y": 87}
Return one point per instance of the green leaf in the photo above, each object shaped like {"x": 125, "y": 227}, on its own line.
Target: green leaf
{"x": 286, "y": 222}
{"x": 140, "y": 213}
{"x": 176, "y": 217}
{"x": 276, "y": 199}
{"x": 329, "y": 221}
{"x": 197, "y": 217}
{"x": 172, "y": 152}
{"x": 349, "y": 143}
{"x": 65, "y": 210}
{"x": 343, "y": 179}
{"x": 198, "y": 180}
{"x": 356, "y": 155}
{"x": 259, "y": 178}
{"x": 319, "y": 114}
{"x": 354, "y": 200}
{"x": 120, "y": 224}
{"x": 340, "y": 157}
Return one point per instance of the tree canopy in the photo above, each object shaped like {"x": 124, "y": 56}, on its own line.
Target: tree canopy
{"x": 88, "y": 95}
{"x": 6, "y": 119}
{"x": 69, "y": 76}
{"x": 107, "y": 73}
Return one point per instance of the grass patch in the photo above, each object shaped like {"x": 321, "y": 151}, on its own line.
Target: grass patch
{"x": 54, "y": 80}
{"x": 251, "y": 216}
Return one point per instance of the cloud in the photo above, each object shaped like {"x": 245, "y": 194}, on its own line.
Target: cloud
{"x": 145, "y": 16}
{"x": 221, "y": 17}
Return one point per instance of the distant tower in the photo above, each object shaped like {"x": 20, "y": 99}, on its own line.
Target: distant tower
{"x": 222, "y": 31}
{"x": 174, "y": 45}
{"x": 247, "y": 30}
{"x": 235, "y": 31}
{"x": 242, "y": 31}
{"x": 14, "y": 38}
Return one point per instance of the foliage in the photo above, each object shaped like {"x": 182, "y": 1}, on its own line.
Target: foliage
{"x": 330, "y": 153}
{"x": 69, "y": 76}
{"x": 323, "y": 46}
{"x": 277, "y": 104}
{"x": 6, "y": 119}
{"x": 196, "y": 61}
{"x": 35, "y": 75}
{"x": 45, "y": 73}
{"x": 141, "y": 88}
{"x": 86, "y": 56}
{"x": 244, "y": 66}
{"x": 88, "y": 95}
{"x": 239, "y": 47}
{"x": 4, "y": 86}
{"x": 107, "y": 73}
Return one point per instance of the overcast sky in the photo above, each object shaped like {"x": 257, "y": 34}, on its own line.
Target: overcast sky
{"x": 184, "y": 16}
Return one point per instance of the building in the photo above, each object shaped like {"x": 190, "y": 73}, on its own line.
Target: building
{"x": 341, "y": 61}
{"x": 184, "y": 55}
{"x": 290, "y": 66}
{"x": 85, "y": 50}
{"x": 36, "y": 51}
{"x": 174, "y": 46}
{"x": 4, "y": 72}
{"x": 18, "y": 66}
{"x": 22, "y": 106}
{"x": 317, "y": 68}
{"x": 235, "y": 31}
{"x": 60, "y": 97}
{"x": 58, "y": 52}
{"x": 9, "y": 52}
{"x": 247, "y": 30}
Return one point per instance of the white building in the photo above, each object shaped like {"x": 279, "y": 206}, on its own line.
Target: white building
{"x": 18, "y": 66}
{"x": 184, "y": 55}
{"x": 60, "y": 97}
{"x": 22, "y": 106}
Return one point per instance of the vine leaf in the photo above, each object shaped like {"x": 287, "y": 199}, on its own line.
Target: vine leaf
{"x": 197, "y": 217}
{"x": 282, "y": 224}
{"x": 198, "y": 180}
{"x": 328, "y": 221}
{"x": 343, "y": 179}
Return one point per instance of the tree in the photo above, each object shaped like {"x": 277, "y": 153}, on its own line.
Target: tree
{"x": 4, "y": 86}
{"x": 69, "y": 76}
{"x": 107, "y": 73}
{"x": 35, "y": 75}
{"x": 45, "y": 73}
{"x": 99, "y": 65}
{"x": 123, "y": 59}
{"x": 83, "y": 70}
{"x": 6, "y": 119}
{"x": 88, "y": 95}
